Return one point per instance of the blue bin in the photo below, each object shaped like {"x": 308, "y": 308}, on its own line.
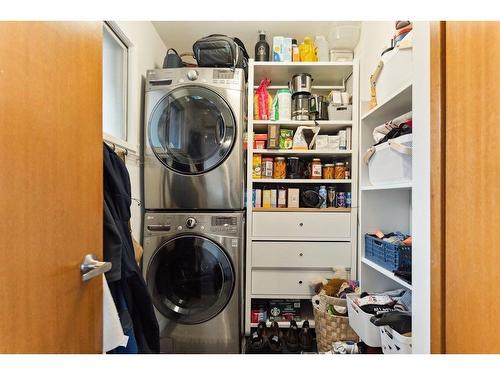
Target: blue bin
{"x": 390, "y": 256}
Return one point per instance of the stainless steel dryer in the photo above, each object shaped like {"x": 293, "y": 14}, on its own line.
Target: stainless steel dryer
{"x": 193, "y": 268}
{"x": 193, "y": 139}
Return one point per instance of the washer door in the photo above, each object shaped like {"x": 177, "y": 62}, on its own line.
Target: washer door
{"x": 192, "y": 130}
{"x": 190, "y": 279}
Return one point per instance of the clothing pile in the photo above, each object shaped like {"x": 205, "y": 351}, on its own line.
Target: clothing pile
{"x": 337, "y": 288}
{"x": 125, "y": 280}
{"x": 391, "y": 308}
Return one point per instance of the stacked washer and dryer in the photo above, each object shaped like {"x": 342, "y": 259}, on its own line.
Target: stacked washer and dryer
{"x": 193, "y": 184}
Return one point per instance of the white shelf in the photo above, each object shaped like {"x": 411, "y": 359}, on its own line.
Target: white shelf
{"x": 396, "y": 105}
{"x": 328, "y": 74}
{"x": 303, "y": 152}
{"x": 404, "y": 185}
{"x": 285, "y": 324}
{"x": 300, "y": 181}
{"x": 261, "y": 125}
{"x": 386, "y": 273}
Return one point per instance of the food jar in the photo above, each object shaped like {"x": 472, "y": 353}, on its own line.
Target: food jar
{"x": 339, "y": 171}
{"x": 329, "y": 171}
{"x": 292, "y": 167}
{"x": 267, "y": 167}
{"x": 279, "y": 167}
{"x": 316, "y": 168}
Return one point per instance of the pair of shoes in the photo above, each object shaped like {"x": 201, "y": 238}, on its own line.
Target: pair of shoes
{"x": 299, "y": 340}
{"x": 266, "y": 339}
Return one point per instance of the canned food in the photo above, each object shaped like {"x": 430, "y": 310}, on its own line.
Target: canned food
{"x": 267, "y": 167}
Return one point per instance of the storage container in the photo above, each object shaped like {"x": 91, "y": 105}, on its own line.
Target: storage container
{"x": 341, "y": 55}
{"x": 360, "y": 323}
{"x": 391, "y": 162}
{"x": 394, "y": 343}
{"x": 287, "y": 282}
{"x": 331, "y": 328}
{"x": 396, "y": 73}
{"x": 388, "y": 255}
{"x": 340, "y": 113}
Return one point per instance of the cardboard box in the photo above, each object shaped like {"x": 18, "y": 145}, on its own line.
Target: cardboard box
{"x": 273, "y": 136}
{"x": 266, "y": 198}
{"x": 282, "y": 309}
{"x": 321, "y": 142}
{"x": 287, "y": 49}
{"x": 293, "y": 198}
{"x": 257, "y": 198}
{"x": 274, "y": 198}
{"x": 277, "y": 51}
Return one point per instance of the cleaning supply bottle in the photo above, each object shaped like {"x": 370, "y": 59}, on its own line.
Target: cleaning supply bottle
{"x": 321, "y": 48}
{"x": 262, "y": 48}
{"x": 307, "y": 50}
{"x": 295, "y": 51}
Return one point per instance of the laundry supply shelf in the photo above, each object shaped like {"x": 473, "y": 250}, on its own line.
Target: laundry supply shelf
{"x": 331, "y": 74}
{"x": 386, "y": 273}
{"x": 404, "y": 185}
{"x": 303, "y": 152}
{"x": 396, "y": 105}
{"x": 300, "y": 181}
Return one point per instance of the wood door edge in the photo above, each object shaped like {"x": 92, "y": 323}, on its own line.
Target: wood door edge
{"x": 438, "y": 138}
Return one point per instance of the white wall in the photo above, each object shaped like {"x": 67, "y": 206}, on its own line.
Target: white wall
{"x": 375, "y": 37}
{"x": 146, "y": 51}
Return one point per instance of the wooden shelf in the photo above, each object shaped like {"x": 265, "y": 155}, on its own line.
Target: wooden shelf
{"x": 302, "y": 152}
{"x": 404, "y": 185}
{"x": 386, "y": 273}
{"x": 300, "y": 209}
{"x": 396, "y": 105}
{"x": 299, "y": 181}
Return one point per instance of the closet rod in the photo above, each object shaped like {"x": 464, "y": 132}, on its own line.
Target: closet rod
{"x": 114, "y": 146}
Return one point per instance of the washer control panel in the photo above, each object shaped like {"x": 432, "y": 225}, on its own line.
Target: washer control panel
{"x": 191, "y": 222}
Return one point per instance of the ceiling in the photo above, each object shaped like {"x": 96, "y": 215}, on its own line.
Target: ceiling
{"x": 182, "y": 34}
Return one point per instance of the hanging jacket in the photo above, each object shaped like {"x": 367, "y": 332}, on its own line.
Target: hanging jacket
{"x": 128, "y": 289}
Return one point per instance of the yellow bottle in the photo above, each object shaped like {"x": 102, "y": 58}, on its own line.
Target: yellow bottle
{"x": 307, "y": 50}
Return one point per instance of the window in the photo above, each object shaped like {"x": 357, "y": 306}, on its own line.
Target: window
{"x": 114, "y": 85}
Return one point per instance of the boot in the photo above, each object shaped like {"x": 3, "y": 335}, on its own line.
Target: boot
{"x": 292, "y": 337}
{"x": 305, "y": 337}
{"x": 258, "y": 340}
{"x": 275, "y": 338}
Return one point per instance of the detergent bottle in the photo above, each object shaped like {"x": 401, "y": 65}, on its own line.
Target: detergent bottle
{"x": 307, "y": 50}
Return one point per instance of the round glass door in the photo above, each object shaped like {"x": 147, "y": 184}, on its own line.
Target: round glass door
{"x": 190, "y": 279}
{"x": 192, "y": 130}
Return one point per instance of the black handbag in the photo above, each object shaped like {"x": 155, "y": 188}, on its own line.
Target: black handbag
{"x": 172, "y": 60}
{"x": 221, "y": 51}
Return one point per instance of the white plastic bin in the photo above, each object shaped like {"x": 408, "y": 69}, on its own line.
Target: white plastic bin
{"x": 340, "y": 113}
{"x": 391, "y": 162}
{"x": 396, "y": 73}
{"x": 360, "y": 323}
{"x": 393, "y": 342}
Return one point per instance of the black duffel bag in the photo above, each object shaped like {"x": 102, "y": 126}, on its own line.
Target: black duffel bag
{"x": 221, "y": 51}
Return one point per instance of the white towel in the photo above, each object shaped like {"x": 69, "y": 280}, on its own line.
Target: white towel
{"x": 112, "y": 331}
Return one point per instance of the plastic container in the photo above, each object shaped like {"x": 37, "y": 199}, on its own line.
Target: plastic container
{"x": 394, "y": 343}
{"x": 395, "y": 74}
{"x": 387, "y": 255}
{"x": 339, "y": 113}
{"x": 307, "y": 50}
{"x": 391, "y": 162}
{"x": 360, "y": 323}
{"x": 321, "y": 48}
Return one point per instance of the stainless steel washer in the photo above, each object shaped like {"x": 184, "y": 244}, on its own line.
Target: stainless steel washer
{"x": 193, "y": 139}
{"x": 193, "y": 268}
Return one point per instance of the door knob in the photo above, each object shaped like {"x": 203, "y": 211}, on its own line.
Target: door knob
{"x": 91, "y": 267}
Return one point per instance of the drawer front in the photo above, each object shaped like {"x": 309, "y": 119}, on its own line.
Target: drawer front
{"x": 301, "y": 254}
{"x": 302, "y": 225}
{"x": 293, "y": 282}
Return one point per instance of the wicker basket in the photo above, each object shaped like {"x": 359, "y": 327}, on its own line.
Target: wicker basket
{"x": 330, "y": 328}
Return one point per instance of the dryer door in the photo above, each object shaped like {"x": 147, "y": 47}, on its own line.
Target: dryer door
{"x": 191, "y": 279}
{"x": 192, "y": 130}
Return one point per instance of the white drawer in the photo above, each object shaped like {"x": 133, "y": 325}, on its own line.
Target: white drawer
{"x": 301, "y": 254}
{"x": 310, "y": 225}
{"x": 276, "y": 281}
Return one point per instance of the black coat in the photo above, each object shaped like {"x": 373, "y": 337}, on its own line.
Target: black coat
{"x": 125, "y": 278}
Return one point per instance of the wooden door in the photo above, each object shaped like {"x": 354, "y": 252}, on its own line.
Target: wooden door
{"x": 467, "y": 300}
{"x": 50, "y": 186}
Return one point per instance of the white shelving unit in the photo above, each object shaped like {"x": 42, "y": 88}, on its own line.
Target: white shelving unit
{"x": 382, "y": 207}
{"x": 315, "y": 240}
